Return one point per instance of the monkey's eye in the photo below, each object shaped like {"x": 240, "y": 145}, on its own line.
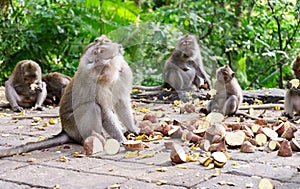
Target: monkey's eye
{"x": 95, "y": 52}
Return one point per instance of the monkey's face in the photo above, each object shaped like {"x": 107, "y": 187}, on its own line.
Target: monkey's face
{"x": 186, "y": 45}
{"x": 225, "y": 74}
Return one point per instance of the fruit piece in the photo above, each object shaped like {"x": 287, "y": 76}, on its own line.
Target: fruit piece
{"x": 214, "y": 129}
{"x": 295, "y": 145}
{"x": 151, "y": 117}
{"x": 285, "y": 149}
{"x": 261, "y": 139}
{"x": 235, "y": 138}
{"x": 146, "y": 127}
{"x": 177, "y": 154}
{"x": 52, "y": 121}
{"x": 288, "y": 133}
{"x": 214, "y": 117}
{"x": 265, "y": 184}
{"x": 255, "y": 128}
{"x": 294, "y": 83}
{"x": 217, "y": 147}
{"x": 204, "y": 145}
{"x": 270, "y": 133}
{"x": 273, "y": 145}
{"x": 189, "y": 108}
{"x": 220, "y": 159}
{"x": 247, "y": 147}
{"x": 111, "y": 147}
{"x": 92, "y": 145}
{"x": 133, "y": 145}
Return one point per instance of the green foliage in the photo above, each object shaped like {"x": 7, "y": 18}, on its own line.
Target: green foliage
{"x": 258, "y": 39}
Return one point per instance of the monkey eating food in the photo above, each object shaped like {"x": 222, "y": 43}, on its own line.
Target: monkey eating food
{"x": 55, "y": 83}
{"x": 97, "y": 98}
{"x": 25, "y": 88}
{"x": 229, "y": 94}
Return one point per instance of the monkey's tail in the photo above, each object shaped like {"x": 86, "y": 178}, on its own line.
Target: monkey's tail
{"x": 5, "y": 105}
{"x": 61, "y": 138}
{"x": 150, "y": 88}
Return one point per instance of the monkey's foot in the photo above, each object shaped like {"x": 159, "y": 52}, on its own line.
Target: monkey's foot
{"x": 40, "y": 108}
{"x": 285, "y": 114}
{"x": 17, "y": 109}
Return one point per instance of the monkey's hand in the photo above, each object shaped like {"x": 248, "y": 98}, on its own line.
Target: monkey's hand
{"x": 17, "y": 109}
{"x": 35, "y": 88}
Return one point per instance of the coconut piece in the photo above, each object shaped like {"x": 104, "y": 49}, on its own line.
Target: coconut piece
{"x": 295, "y": 145}
{"x": 111, "y": 146}
{"x": 270, "y": 133}
{"x": 151, "y": 117}
{"x": 235, "y": 138}
{"x": 247, "y": 147}
{"x": 273, "y": 145}
{"x": 177, "y": 154}
{"x": 261, "y": 139}
{"x": 192, "y": 137}
{"x": 220, "y": 159}
{"x": 285, "y": 149}
{"x": 214, "y": 129}
{"x": 133, "y": 145}
{"x": 265, "y": 184}
{"x": 92, "y": 145}
{"x": 288, "y": 133}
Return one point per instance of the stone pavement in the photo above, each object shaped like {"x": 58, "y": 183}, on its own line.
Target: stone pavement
{"x": 58, "y": 168}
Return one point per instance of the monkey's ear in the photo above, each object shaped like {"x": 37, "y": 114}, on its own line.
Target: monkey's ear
{"x": 233, "y": 75}
{"x": 298, "y": 58}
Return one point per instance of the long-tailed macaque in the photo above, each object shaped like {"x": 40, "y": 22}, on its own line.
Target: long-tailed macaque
{"x": 24, "y": 88}
{"x": 292, "y": 95}
{"x": 184, "y": 68}
{"x": 229, "y": 93}
{"x": 97, "y": 97}
{"x": 55, "y": 83}
{"x": 296, "y": 67}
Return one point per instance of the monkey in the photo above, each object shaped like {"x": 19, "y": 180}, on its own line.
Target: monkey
{"x": 97, "y": 98}
{"x": 184, "y": 68}
{"x": 292, "y": 95}
{"x": 296, "y": 67}
{"x": 229, "y": 94}
{"x": 292, "y": 100}
{"x": 25, "y": 88}
{"x": 55, "y": 84}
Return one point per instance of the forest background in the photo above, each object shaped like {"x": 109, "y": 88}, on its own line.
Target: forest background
{"x": 258, "y": 38}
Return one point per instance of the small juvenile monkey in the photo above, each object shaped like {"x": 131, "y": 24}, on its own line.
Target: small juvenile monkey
{"x": 97, "y": 98}
{"x": 296, "y": 67}
{"x": 55, "y": 84}
{"x": 229, "y": 93}
{"x": 292, "y": 99}
{"x": 25, "y": 88}
{"x": 184, "y": 67}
